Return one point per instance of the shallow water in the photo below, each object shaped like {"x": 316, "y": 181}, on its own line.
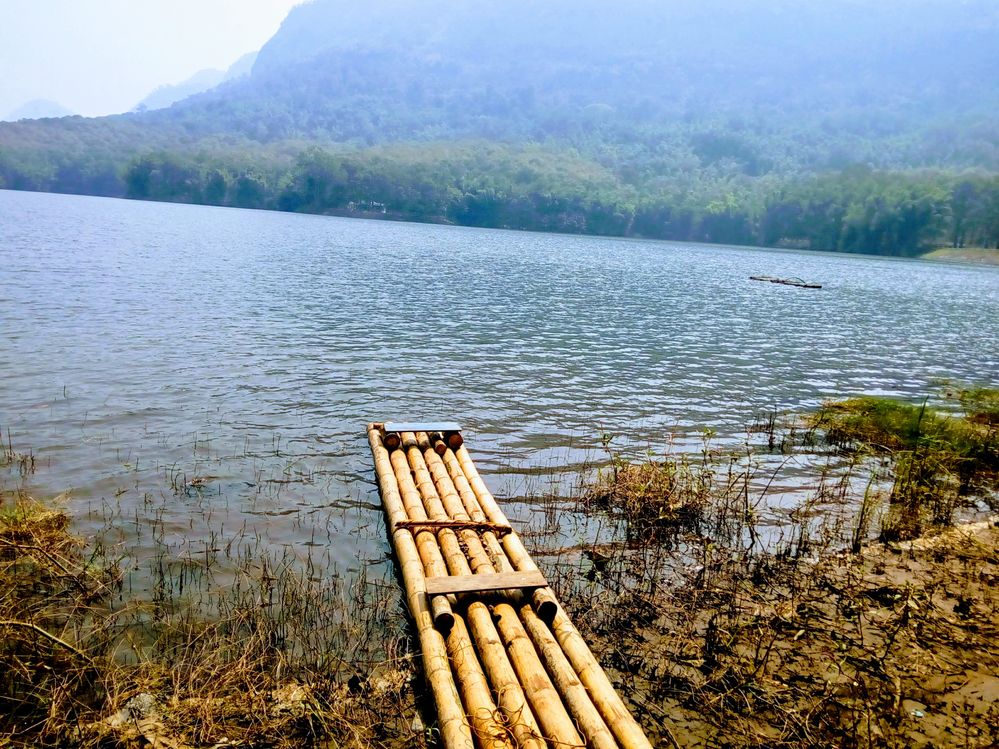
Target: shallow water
{"x": 214, "y": 368}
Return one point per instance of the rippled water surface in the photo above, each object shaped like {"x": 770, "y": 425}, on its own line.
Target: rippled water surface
{"x": 228, "y": 360}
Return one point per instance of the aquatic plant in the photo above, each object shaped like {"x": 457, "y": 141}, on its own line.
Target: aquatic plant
{"x": 939, "y": 458}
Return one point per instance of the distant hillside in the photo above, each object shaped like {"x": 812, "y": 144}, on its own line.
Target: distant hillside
{"x": 37, "y": 109}
{"x": 699, "y": 119}
{"x": 163, "y": 96}
{"x": 202, "y": 81}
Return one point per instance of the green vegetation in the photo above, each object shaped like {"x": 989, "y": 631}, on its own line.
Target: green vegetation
{"x": 938, "y": 458}
{"x": 821, "y": 126}
{"x": 531, "y": 187}
{"x": 978, "y": 255}
{"x": 980, "y": 405}
{"x": 478, "y": 183}
{"x": 540, "y": 188}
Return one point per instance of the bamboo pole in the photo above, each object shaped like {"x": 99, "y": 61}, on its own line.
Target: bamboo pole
{"x": 607, "y": 701}
{"x": 549, "y": 709}
{"x": 544, "y": 600}
{"x": 416, "y": 483}
{"x": 573, "y": 692}
{"x": 454, "y": 728}
{"x": 558, "y": 726}
{"x": 411, "y": 508}
{"x": 502, "y": 673}
{"x": 452, "y": 505}
{"x": 621, "y": 722}
{"x": 489, "y": 732}
{"x": 468, "y": 498}
{"x": 509, "y": 692}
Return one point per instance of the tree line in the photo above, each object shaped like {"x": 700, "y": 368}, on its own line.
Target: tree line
{"x": 528, "y": 187}
{"x": 550, "y": 188}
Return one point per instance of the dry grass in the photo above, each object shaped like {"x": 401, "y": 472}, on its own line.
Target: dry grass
{"x": 653, "y": 494}
{"x": 284, "y": 661}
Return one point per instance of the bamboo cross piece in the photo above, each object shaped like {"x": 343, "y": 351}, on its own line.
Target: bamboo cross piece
{"x": 455, "y": 525}
{"x": 506, "y": 666}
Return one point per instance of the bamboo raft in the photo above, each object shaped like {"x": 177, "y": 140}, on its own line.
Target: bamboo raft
{"x": 506, "y": 666}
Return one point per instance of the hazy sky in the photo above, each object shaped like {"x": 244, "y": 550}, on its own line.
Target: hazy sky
{"x": 103, "y": 56}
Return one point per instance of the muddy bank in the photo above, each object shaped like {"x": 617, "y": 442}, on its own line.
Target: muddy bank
{"x": 893, "y": 647}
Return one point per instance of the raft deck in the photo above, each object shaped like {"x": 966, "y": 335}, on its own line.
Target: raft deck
{"x": 506, "y": 666}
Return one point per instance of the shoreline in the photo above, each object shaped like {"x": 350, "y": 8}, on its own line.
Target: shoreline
{"x": 967, "y": 255}
{"x": 710, "y": 632}
{"x": 976, "y": 256}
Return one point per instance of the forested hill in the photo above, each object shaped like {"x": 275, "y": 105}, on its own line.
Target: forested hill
{"x": 837, "y": 124}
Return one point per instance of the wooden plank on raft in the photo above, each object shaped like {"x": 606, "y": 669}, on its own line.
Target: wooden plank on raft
{"x": 422, "y": 426}
{"x": 481, "y": 583}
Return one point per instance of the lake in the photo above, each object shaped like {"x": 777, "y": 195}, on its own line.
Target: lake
{"x": 191, "y": 372}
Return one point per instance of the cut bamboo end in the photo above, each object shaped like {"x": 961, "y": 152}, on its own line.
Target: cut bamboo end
{"x": 545, "y": 604}
{"x": 438, "y": 443}
{"x": 443, "y": 616}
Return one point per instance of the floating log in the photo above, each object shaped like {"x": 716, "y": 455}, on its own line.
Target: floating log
{"x": 787, "y": 282}
{"x": 505, "y": 665}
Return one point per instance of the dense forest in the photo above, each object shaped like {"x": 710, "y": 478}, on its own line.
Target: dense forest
{"x": 830, "y": 125}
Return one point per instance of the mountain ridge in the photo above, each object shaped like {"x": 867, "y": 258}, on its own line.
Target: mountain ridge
{"x": 38, "y": 109}
{"x": 203, "y": 80}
